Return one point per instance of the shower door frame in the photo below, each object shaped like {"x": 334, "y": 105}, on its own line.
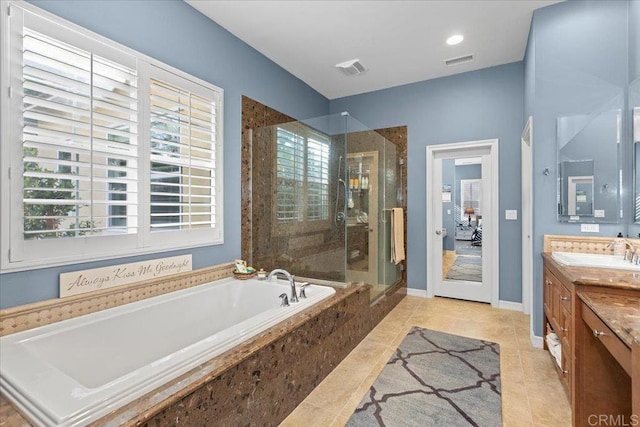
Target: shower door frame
{"x": 373, "y": 227}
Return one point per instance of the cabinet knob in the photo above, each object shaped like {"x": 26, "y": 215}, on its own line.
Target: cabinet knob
{"x": 548, "y": 281}
{"x": 563, "y": 298}
{"x": 564, "y": 329}
{"x": 565, "y": 372}
{"x": 597, "y": 333}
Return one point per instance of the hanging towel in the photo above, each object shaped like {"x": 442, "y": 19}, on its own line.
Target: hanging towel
{"x": 397, "y": 235}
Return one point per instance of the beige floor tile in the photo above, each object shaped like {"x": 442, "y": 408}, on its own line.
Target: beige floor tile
{"x": 309, "y": 416}
{"x": 531, "y": 391}
{"x": 340, "y": 422}
{"x": 549, "y": 413}
{"x": 509, "y": 421}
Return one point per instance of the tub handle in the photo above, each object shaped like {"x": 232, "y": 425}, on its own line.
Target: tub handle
{"x": 285, "y": 300}
{"x": 303, "y": 287}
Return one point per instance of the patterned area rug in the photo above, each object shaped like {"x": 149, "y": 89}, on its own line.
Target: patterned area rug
{"x": 466, "y": 267}
{"x": 435, "y": 379}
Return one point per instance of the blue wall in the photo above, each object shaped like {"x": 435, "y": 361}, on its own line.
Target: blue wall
{"x": 176, "y": 34}
{"x": 576, "y": 63}
{"x": 634, "y": 40}
{"x": 483, "y": 104}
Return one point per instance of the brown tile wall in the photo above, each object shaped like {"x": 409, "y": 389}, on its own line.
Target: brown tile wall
{"x": 259, "y": 246}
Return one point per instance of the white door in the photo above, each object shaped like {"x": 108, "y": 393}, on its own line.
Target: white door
{"x": 439, "y": 283}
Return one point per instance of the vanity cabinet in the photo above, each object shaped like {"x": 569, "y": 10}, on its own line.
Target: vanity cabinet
{"x": 557, "y": 318}
{"x": 595, "y": 368}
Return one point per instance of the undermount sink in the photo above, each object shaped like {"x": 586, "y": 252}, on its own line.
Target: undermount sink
{"x": 573, "y": 259}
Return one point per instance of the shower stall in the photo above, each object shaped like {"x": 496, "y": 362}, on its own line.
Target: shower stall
{"x": 322, "y": 193}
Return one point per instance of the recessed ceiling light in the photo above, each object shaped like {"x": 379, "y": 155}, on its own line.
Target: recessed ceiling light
{"x": 455, "y": 39}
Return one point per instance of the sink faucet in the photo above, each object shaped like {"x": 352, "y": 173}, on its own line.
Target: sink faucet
{"x": 630, "y": 251}
{"x": 294, "y": 296}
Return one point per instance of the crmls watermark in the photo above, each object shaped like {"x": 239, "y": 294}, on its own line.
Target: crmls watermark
{"x": 613, "y": 420}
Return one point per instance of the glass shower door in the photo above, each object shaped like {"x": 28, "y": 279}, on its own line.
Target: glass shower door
{"x": 362, "y": 216}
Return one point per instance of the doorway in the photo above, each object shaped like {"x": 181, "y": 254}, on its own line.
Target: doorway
{"x": 462, "y": 221}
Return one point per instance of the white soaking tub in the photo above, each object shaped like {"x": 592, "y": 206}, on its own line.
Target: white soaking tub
{"x": 73, "y": 372}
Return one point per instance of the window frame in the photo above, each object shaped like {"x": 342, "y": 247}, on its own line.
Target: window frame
{"x": 16, "y": 253}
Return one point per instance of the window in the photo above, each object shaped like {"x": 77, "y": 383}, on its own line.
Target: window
{"x": 302, "y": 173}
{"x": 115, "y": 149}
{"x": 183, "y": 154}
{"x": 471, "y": 194}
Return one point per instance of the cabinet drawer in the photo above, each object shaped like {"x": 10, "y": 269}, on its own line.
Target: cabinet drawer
{"x": 616, "y": 347}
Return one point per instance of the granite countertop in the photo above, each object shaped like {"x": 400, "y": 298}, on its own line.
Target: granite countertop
{"x": 585, "y": 276}
{"x": 620, "y": 313}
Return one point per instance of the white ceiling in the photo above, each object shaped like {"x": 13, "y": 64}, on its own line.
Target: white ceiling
{"x": 398, "y": 42}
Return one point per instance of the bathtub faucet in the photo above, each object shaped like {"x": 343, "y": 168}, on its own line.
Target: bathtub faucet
{"x": 294, "y": 296}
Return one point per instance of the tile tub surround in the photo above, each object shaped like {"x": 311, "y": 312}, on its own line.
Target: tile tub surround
{"x": 21, "y": 318}
{"x": 261, "y": 380}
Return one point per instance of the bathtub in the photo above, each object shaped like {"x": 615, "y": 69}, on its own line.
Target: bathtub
{"x": 74, "y": 372}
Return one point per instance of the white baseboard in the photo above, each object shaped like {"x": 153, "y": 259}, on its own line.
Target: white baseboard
{"x": 508, "y": 305}
{"x": 536, "y": 341}
{"x": 416, "y": 293}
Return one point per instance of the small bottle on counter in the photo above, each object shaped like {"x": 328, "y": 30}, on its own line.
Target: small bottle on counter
{"x": 262, "y": 275}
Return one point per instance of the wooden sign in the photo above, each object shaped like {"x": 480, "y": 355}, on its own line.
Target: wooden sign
{"x": 79, "y": 282}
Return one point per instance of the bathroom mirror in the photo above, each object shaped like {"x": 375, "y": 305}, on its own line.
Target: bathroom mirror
{"x": 636, "y": 162}
{"x": 589, "y": 167}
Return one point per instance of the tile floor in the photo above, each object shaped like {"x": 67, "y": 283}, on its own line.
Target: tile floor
{"x": 531, "y": 391}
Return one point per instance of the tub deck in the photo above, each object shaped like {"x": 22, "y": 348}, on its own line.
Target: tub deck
{"x": 262, "y": 379}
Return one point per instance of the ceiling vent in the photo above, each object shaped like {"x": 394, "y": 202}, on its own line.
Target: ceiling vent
{"x": 351, "y": 68}
{"x": 459, "y": 60}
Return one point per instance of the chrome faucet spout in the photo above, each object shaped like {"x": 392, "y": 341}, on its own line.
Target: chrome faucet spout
{"x": 292, "y": 283}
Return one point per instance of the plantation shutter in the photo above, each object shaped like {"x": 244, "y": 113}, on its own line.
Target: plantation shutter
{"x": 302, "y": 172}
{"x": 290, "y": 149}
{"x": 471, "y": 196}
{"x": 183, "y": 155}
{"x": 79, "y": 138}
{"x": 317, "y": 178}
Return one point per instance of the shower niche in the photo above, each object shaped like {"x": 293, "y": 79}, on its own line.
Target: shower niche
{"x": 321, "y": 191}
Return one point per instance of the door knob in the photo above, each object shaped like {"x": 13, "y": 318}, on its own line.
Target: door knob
{"x": 438, "y": 232}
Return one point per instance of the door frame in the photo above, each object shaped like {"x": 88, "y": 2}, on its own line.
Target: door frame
{"x": 527, "y": 218}
{"x": 470, "y": 149}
